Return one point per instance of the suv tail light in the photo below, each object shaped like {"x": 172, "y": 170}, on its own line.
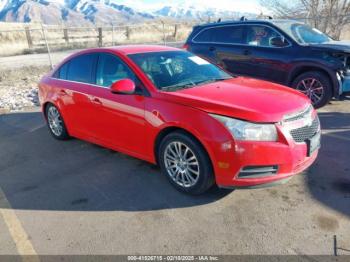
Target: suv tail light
{"x": 185, "y": 46}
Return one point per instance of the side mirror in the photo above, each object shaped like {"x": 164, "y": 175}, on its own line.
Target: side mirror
{"x": 124, "y": 86}
{"x": 278, "y": 41}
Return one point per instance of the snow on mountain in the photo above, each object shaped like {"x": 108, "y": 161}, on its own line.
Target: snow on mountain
{"x": 78, "y": 12}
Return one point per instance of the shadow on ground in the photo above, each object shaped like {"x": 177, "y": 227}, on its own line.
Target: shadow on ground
{"x": 328, "y": 179}
{"x": 38, "y": 172}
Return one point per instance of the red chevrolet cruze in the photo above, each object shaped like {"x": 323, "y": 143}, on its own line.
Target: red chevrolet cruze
{"x": 170, "y": 107}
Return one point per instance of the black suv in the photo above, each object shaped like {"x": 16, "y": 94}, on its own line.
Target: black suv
{"x": 283, "y": 51}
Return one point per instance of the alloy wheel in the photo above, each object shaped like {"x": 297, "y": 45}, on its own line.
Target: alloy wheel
{"x": 312, "y": 88}
{"x": 55, "y": 121}
{"x": 181, "y": 164}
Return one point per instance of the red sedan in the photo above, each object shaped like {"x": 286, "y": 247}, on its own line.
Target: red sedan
{"x": 172, "y": 108}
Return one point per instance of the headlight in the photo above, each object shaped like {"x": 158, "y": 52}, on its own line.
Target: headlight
{"x": 242, "y": 130}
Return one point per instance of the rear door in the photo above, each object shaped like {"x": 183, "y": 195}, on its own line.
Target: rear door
{"x": 76, "y": 82}
{"x": 224, "y": 45}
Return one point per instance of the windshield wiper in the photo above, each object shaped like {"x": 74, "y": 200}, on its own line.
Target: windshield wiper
{"x": 212, "y": 80}
{"x": 178, "y": 86}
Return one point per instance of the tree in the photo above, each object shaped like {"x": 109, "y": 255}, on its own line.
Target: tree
{"x": 329, "y": 16}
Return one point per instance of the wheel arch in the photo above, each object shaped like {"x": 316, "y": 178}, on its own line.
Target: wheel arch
{"x": 170, "y": 129}
{"x": 308, "y": 67}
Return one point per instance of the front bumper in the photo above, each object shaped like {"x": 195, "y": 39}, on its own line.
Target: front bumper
{"x": 344, "y": 84}
{"x": 291, "y": 159}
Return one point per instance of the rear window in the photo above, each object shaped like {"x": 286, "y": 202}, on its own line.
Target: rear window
{"x": 205, "y": 35}
{"x": 222, "y": 34}
{"x": 81, "y": 68}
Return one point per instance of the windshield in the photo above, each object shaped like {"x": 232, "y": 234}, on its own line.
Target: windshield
{"x": 175, "y": 70}
{"x": 303, "y": 33}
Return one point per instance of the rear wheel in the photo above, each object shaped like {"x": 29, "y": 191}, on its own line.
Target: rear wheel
{"x": 185, "y": 163}
{"x": 55, "y": 123}
{"x": 315, "y": 85}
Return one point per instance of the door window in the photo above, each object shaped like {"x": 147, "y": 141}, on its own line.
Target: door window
{"x": 229, "y": 35}
{"x": 111, "y": 69}
{"x": 258, "y": 35}
{"x": 222, "y": 34}
{"x": 81, "y": 68}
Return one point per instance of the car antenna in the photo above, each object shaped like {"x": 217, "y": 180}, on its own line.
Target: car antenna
{"x": 243, "y": 18}
{"x": 270, "y": 17}
{"x": 219, "y": 20}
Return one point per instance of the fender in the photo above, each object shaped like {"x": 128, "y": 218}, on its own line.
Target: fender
{"x": 331, "y": 74}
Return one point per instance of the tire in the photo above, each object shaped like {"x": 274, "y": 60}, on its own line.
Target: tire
{"x": 310, "y": 83}
{"x": 185, "y": 176}
{"x": 55, "y": 123}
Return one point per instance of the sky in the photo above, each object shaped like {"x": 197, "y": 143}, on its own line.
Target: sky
{"x": 251, "y": 6}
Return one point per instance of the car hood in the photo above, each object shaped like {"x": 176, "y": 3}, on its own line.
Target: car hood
{"x": 342, "y": 46}
{"x": 243, "y": 98}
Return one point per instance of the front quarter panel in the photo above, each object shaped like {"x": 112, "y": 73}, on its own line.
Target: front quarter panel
{"x": 161, "y": 115}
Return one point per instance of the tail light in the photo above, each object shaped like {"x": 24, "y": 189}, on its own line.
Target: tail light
{"x": 185, "y": 46}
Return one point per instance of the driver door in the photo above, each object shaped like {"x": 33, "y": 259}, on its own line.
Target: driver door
{"x": 266, "y": 61}
{"x": 121, "y": 117}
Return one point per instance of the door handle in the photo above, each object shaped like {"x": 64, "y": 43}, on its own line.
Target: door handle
{"x": 247, "y": 52}
{"x": 95, "y": 100}
{"x": 212, "y": 48}
{"x": 63, "y": 92}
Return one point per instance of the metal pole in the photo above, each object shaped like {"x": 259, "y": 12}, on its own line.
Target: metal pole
{"x": 47, "y": 45}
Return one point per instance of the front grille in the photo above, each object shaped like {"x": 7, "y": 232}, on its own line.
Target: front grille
{"x": 299, "y": 115}
{"x": 306, "y": 132}
{"x": 257, "y": 171}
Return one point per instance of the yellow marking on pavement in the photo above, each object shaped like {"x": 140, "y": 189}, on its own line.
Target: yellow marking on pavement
{"x": 17, "y": 232}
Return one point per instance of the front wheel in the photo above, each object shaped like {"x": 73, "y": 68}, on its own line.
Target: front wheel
{"x": 315, "y": 85}
{"x": 185, "y": 163}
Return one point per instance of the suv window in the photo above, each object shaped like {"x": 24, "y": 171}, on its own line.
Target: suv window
{"x": 205, "y": 35}
{"x": 222, "y": 34}
{"x": 81, "y": 68}
{"x": 229, "y": 35}
{"x": 111, "y": 69}
{"x": 259, "y": 35}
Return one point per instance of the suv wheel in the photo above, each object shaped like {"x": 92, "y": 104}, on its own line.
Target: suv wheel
{"x": 185, "y": 163}
{"x": 316, "y": 86}
{"x": 55, "y": 123}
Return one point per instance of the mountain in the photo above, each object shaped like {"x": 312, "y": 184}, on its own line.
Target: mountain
{"x": 194, "y": 12}
{"x": 88, "y": 12}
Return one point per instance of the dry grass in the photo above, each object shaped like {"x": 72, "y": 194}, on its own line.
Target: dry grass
{"x": 13, "y": 38}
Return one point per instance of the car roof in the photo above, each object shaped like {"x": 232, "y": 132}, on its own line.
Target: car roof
{"x": 137, "y": 49}
{"x": 255, "y": 21}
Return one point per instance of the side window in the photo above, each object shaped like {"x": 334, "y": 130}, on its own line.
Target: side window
{"x": 111, "y": 69}
{"x": 205, "y": 36}
{"x": 81, "y": 68}
{"x": 229, "y": 35}
{"x": 258, "y": 35}
{"x": 61, "y": 73}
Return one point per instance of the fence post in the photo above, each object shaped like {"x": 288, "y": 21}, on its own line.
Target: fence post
{"x": 29, "y": 37}
{"x": 65, "y": 35}
{"x": 164, "y": 40}
{"x": 112, "y": 34}
{"x": 175, "y": 32}
{"x": 47, "y": 45}
{"x": 100, "y": 37}
{"x": 127, "y": 33}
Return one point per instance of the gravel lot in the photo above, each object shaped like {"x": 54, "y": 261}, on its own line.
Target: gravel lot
{"x": 77, "y": 198}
